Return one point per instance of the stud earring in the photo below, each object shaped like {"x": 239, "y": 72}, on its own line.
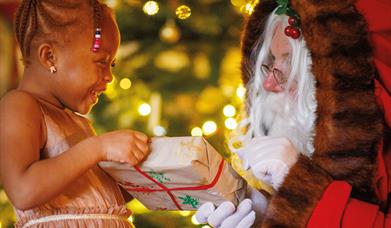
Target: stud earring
{"x": 53, "y": 69}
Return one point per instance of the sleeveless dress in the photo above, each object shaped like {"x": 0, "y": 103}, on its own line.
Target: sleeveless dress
{"x": 93, "y": 200}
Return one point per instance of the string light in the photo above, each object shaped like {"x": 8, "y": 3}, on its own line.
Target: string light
{"x": 125, "y": 83}
{"x": 238, "y": 3}
{"x": 229, "y": 111}
{"x": 240, "y": 92}
{"x": 183, "y": 12}
{"x": 144, "y": 109}
{"x": 209, "y": 127}
{"x": 130, "y": 219}
{"x": 194, "y": 220}
{"x": 159, "y": 131}
{"x": 170, "y": 32}
{"x": 184, "y": 213}
{"x": 196, "y": 131}
{"x": 230, "y": 123}
{"x": 151, "y": 8}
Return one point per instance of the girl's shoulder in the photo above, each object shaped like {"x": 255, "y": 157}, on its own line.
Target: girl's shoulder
{"x": 21, "y": 117}
{"x": 17, "y": 101}
{"x": 20, "y": 106}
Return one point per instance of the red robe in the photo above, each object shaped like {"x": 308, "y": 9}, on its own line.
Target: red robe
{"x": 336, "y": 208}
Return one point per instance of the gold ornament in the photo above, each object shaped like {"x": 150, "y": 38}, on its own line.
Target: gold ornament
{"x": 170, "y": 32}
{"x": 183, "y": 12}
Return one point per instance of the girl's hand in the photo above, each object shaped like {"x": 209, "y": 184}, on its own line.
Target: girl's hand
{"x": 124, "y": 146}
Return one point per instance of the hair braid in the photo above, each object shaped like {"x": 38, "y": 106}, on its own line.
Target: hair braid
{"x": 33, "y": 28}
{"x": 21, "y": 27}
{"x": 54, "y": 21}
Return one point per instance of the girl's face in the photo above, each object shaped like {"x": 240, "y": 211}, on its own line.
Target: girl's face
{"x": 82, "y": 75}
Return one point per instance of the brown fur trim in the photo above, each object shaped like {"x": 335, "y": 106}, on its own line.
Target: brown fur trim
{"x": 291, "y": 206}
{"x": 349, "y": 123}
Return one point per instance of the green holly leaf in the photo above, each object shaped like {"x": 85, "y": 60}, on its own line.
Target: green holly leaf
{"x": 281, "y": 10}
{"x": 282, "y": 2}
{"x": 290, "y": 12}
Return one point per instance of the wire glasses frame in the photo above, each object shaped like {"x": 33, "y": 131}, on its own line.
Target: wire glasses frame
{"x": 280, "y": 77}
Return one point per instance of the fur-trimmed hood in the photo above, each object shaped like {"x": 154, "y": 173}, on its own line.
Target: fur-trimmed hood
{"x": 349, "y": 123}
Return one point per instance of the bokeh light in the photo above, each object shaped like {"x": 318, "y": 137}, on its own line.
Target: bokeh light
{"x": 196, "y": 131}
{"x": 151, "y": 8}
{"x": 194, "y": 220}
{"x": 183, "y": 12}
{"x": 184, "y": 213}
{"x": 209, "y": 127}
{"x": 229, "y": 111}
{"x": 241, "y": 92}
{"x": 230, "y": 123}
{"x": 125, "y": 83}
{"x": 144, "y": 109}
{"x": 159, "y": 131}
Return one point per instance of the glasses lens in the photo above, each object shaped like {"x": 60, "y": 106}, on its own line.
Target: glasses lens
{"x": 265, "y": 69}
{"x": 279, "y": 76}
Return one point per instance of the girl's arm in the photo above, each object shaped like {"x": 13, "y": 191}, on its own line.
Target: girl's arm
{"x": 28, "y": 180}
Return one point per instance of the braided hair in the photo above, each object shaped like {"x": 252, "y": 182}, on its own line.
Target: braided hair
{"x": 54, "y": 21}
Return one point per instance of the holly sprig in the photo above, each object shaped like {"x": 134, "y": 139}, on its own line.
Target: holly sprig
{"x": 284, "y": 8}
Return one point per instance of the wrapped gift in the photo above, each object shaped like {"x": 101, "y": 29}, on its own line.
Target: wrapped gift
{"x": 181, "y": 173}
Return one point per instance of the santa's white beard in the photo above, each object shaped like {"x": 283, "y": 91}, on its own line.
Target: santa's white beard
{"x": 279, "y": 116}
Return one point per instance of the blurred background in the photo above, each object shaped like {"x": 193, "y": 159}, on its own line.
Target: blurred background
{"x": 177, "y": 74}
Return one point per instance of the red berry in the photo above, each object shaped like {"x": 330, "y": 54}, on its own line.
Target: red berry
{"x": 288, "y": 30}
{"x": 295, "y": 33}
{"x": 292, "y": 21}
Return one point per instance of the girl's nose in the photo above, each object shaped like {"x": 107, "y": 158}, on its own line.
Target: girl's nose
{"x": 108, "y": 77}
{"x": 270, "y": 84}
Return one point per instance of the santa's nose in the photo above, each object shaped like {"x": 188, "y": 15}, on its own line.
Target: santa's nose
{"x": 270, "y": 84}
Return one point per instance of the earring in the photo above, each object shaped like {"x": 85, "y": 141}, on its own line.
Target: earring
{"x": 53, "y": 69}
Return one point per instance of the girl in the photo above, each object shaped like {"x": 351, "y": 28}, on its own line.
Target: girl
{"x": 48, "y": 153}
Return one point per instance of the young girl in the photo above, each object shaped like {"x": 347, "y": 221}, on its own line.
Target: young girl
{"x": 48, "y": 153}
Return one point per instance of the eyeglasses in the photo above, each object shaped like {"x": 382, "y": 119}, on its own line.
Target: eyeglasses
{"x": 280, "y": 77}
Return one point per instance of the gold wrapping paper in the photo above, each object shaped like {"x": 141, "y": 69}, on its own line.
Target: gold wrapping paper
{"x": 181, "y": 173}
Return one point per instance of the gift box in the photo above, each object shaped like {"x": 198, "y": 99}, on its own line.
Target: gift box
{"x": 181, "y": 173}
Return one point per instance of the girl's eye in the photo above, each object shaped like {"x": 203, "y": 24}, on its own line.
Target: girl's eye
{"x": 113, "y": 64}
{"x": 102, "y": 63}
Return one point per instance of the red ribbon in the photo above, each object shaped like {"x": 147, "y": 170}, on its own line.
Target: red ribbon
{"x": 169, "y": 190}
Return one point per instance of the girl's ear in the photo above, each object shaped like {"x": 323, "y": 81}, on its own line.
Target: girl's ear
{"x": 47, "y": 56}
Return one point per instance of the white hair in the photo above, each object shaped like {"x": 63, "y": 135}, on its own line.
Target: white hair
{"x": 287, "y": 114}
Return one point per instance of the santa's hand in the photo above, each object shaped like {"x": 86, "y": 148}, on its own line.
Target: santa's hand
{"x": 269, "y": 158}
{"x": 226, "y": 215}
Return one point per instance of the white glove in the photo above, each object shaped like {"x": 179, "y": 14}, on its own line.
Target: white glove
{"x": 269, "y": 158}
{"x": 226, "y": 215}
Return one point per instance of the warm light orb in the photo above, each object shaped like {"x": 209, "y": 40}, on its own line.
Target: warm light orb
{"x": 229, "y": 111}
{"x": 159, "y": 131}
{"x": 151, "y": 8}
{"x": 240, "y": 91}
{"x": 184, "y": 213}
{"x": 248, "y": 8}
{"x": 144, "y": 109}
{"x": 209, "y": 127}
{"x": 196, "y": 131}
{"x": 194, "y": 220}
{"x": 130, "y": 219}
{"x": 183, "y": 12}
{"x": 230, "y": 123}
{"x": 125, "y": 83}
